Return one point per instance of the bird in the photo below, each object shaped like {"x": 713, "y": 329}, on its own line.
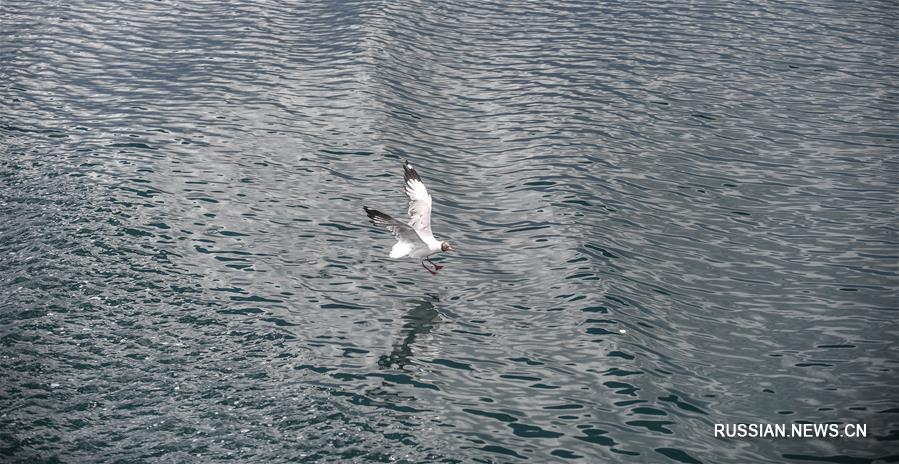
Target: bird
{"x": 414, "y": 239}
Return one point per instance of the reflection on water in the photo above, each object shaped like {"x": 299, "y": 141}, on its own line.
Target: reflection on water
{"x": 418, "y": 322}
{"x": 187, "y": 274}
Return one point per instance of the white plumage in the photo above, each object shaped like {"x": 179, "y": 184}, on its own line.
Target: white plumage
{"x": 414, "y": 239}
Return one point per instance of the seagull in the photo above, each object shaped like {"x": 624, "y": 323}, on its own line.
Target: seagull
{"x": 414, "y": 239}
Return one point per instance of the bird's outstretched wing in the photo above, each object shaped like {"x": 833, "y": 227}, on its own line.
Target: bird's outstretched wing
{"x": 419, "y": 202}
{"x": 407, "y": 240}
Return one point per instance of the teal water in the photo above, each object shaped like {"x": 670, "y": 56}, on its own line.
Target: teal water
{"x": 667, "y": 216}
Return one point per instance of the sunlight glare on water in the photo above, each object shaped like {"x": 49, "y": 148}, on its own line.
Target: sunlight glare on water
{"x": 667, "y": 216}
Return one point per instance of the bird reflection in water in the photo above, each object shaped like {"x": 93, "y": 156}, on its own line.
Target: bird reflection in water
{"x": 419, "y": 321}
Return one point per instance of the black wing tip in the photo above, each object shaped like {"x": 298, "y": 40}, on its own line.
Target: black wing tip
{"x": 409, "y": 172}
{"x": 375, "y": 215}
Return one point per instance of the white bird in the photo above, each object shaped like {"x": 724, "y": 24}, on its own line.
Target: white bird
{"x": 414, "y": 239}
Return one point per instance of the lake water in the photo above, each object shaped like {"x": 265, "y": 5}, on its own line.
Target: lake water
{"x": 667, "y": 216}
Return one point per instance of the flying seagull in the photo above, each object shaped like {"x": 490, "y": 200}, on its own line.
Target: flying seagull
{"x": 414, "y": 239}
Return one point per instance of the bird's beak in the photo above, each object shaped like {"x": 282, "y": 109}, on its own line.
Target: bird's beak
{"x": 450, "y": 248}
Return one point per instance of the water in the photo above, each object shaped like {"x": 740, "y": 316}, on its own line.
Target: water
{"x": 667, "y": 216}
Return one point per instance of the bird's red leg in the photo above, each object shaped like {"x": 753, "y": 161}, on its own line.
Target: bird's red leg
{"x": 427, "y": 268}
{"x": 437, "y": 267}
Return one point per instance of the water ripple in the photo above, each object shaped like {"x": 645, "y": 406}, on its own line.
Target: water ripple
{"x": 668, "y": 216}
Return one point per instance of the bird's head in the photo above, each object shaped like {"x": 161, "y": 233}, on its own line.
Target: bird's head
{"x": 445, "y": 246}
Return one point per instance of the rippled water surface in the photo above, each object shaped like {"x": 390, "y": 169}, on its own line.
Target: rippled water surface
{"x": 667, "y": 216}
